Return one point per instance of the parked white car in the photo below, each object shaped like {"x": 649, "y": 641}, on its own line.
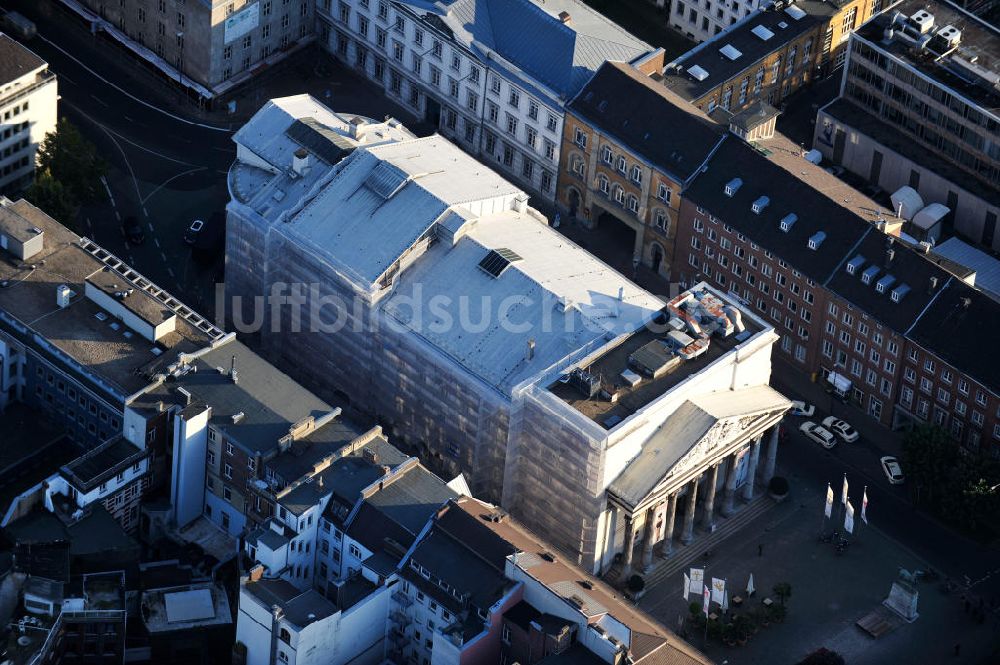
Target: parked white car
{"x": 818, "y": 434}
{"x": 892, "y": 470}
{"x": 802, "y": 409}
{"x": 841, "y": 428}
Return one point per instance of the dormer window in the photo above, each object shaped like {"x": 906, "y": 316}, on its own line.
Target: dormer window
{"x": 733, "y": 186}
{"x": 899, "y": 292}
{"x": 883, "y": 284}
{"x": 869, "y": 274}
{"x": 788, "y": 221}
{"x": 855, "y": 264}
{"x": 816, "y": 240}
{"x": 759, "y": 205}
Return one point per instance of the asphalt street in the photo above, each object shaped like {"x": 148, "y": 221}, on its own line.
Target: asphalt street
{"x": 164, "y": 170}
{"x": 168, "y": 168}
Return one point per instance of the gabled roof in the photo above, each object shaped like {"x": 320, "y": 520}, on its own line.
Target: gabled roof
{"x": 955, "y": 326}
{"x": 747, "y": 38}
{"x": 787, "y": 194}
{"x": 532, "y": 37}
{"x": 682, "y": 431}
{"x": 932, "y": 293}
{"x": 648, "y": 119}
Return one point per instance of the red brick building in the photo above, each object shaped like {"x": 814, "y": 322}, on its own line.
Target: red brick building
{"x": 817, "y": 261}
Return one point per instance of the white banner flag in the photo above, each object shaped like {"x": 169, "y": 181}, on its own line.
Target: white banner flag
{"x": 849, "y": 518}
{"x": 687, "y": 586}
{"x": 697, "y": 579}
{"x": 718, "y": 590}
{"x": 828, "y": 510}
{"x": 750, "y": 587}
{"x": 864, "y": 506}
{"x": 843, "y": 493}
{"x": 705, "y": 599}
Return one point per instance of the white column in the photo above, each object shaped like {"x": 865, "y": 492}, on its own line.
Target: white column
{"x": 708, "y": 520}
{"x": 647, "y": 543}
{"x": 687, "y": 535}
{"x": 629, "y": 542}
{"x": 772, "y": 456}
{"x": 668, "y": 528}
{"x": 730, "y": 491}
{"x": 748, "y": 487}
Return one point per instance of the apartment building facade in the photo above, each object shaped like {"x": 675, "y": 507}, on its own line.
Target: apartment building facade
{"x": 28, "y": 100}
{"x": 861, "y": 309}
{"x": 768, "y": 55}
{"x": 453, "y": 595}
{"x": 497, "y": 89}
{"x": 906, "y": 120}
{"x": 612, "y": 166}
{"x": 209, "y": 46}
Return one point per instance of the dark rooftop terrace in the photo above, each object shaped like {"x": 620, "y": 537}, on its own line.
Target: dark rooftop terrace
{"x": 609, "y": 367}
{"x": 102, "y": 463}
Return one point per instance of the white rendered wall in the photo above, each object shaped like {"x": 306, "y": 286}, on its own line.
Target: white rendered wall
{"x": 253, "y": 629}
{"x": 187, "y": 491}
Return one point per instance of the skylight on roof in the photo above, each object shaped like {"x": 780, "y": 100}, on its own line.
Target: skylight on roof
{"x": 795, "y": 12}
{"x": 385, "y": 179}
{"x": 762, "y": 32}
{"x": 698, "y": 72}
{"x": 730, "y": 52}
{"x": 497, "y": 260}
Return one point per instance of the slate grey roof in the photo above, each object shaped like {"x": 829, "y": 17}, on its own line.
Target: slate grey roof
{"x": 787, "y": 194}
{"x": 920, "y": 310}
{"x": 343, "y": 479}
{"x": 955, "y": 326}
{"x": 648, "y": 119}
{"x": 752, "y": 48}
{"x": 301, "y": 607}
{"x": 531, "y": 36}
{"x": 270, "y": 401}
{"x": 412, "y": 499}
{"x": 16, "y": 60}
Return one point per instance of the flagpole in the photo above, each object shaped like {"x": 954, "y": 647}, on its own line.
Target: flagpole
{"x": 822, "y": 520}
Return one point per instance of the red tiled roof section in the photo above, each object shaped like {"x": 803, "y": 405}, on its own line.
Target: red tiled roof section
{"x": 652, "y": 642}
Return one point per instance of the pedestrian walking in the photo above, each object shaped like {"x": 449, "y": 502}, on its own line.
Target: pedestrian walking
{"x": 760, "y": 550}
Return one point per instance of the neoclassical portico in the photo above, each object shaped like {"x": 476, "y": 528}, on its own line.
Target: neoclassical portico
{"x": 718, "y": 443}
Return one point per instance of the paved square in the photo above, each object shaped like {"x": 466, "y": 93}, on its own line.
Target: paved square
{"x": 829, "y": 593}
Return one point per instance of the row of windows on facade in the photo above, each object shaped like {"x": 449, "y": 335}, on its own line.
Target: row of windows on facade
{"x": 457, "y": 64}
{"x": 834, "y": 310}
{"x": 857, "y": 368}
{"x": 15, "y": 111}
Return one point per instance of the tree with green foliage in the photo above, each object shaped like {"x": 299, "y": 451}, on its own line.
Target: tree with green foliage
{"x": 950, "y": 481}
{"x": 928, "y": 460}
{"x": 51, "y": 196}
{"x": 783, "y": 590}
{"x": 72, "y": 160}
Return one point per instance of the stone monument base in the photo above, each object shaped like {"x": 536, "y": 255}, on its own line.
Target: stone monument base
{"x": 903, "y": 600}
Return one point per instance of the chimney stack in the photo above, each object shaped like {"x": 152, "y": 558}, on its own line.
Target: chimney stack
{"x": 300, "y": 161}
{"x": 232, "y": 371}
{"x": 565, "y": 18}
{"x": 531, "y": 349}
